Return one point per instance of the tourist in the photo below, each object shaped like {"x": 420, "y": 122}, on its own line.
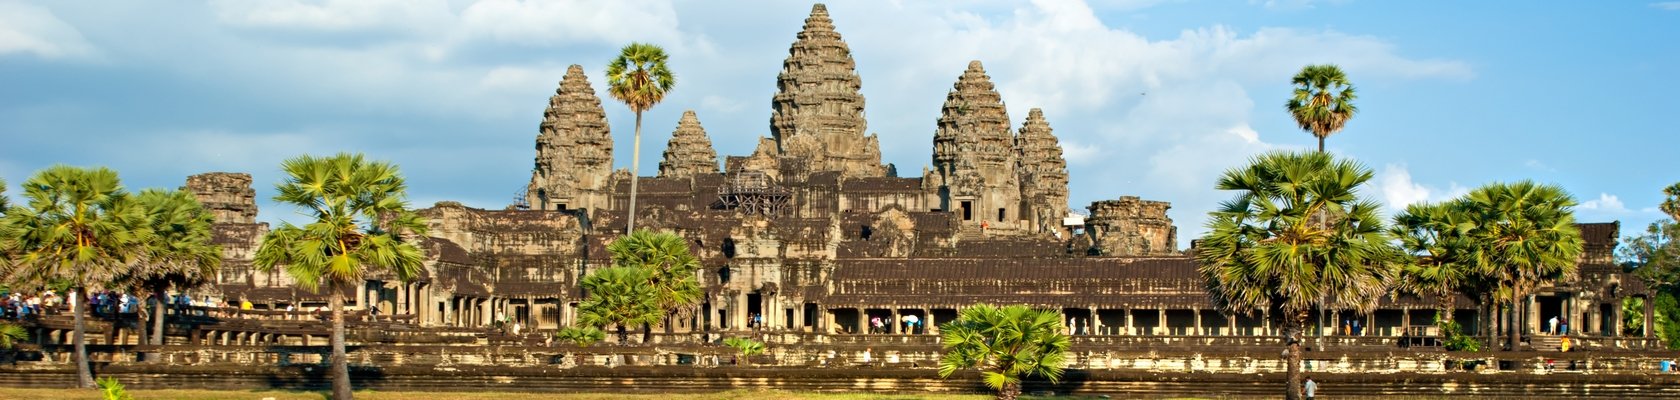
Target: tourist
{"x": 867, "y": 358}
{"x": 875, "y": 325}
{"x": 245, "y": 304}
{"x": 1563, "y": 325}
{"x": 1310, "y": 388}
{"x": 1357, "y": 330}
{"x": 1554, "y": 321}
{"x": 1564, "y": 345}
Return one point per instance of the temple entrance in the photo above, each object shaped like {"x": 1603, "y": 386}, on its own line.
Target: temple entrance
{"x": 755, "y": 310}
{"x": 1549, "y": 306}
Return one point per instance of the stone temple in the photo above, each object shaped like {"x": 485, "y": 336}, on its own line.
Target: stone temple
{"x": 814, "y": 234}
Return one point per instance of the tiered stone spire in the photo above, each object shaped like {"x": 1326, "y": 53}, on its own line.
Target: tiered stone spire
{"x": 1043, "y": 171}
{"x": 974, "y": 151}
{"x": 574, "y": 149}
{"x": 817, "y": 112}
{"x": 690, "y": 151}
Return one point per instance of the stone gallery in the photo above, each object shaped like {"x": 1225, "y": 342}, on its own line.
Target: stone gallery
{"x": 812, "y": 233}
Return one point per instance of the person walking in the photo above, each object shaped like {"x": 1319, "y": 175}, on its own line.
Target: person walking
{"x": 1553, "y": 329}
{"x": 1310, "y": 388}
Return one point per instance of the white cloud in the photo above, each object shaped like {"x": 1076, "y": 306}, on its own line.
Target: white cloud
{"x": 1398, "y": 190}
{"x": 1539, "y": 166}
{"x": 1667, "y": 5}
{"x": 333, "y": 15}
{"x": 550, "y": 22}
{"x": 721, "y": 104}
{"x": 1079, "y": 153}
{"x": 1605, "y": 203}
{"x": 32, "y": 29}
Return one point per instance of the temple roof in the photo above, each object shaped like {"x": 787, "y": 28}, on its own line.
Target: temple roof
{"x": 689, "y": 152}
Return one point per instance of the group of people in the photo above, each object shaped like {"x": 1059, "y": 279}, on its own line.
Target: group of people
{"x": 908, "y": 324}
{"x": 1351, "y": 327}
{"x": 20, "y": 306}
{"x": 1559, "y": 326}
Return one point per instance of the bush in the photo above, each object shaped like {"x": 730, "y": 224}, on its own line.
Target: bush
{"x": 1456, "y": 340}
{"x": 112, "y": 390}
{"x": 581, "y": 336}
{"x": 747, "y": 347}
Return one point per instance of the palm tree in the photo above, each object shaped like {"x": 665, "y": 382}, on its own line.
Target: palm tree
{"x": 1271, "y": 248}
{"x": 180, "y": 254}
{"x": 361, "y": 225}
{"x": 1671, "y": 203}
{"x": 1323, "y": 100}
{"x": 640, "y": 79}
{"x": 1005, "y": 344}
{"x": 746, "y": 347}
{"x": 10, "y": 334}
{"x": 582, "y": 336}
{"x": 671, "y": 271}
{"x": 618, "y": 296}
{"x": 1525, "y": 237}
{"x": 4, "y": 204}
{"x": 79, "y": 226}
{"x": 1435, "y": 258}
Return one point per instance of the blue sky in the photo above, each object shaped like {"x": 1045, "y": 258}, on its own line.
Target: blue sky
{"x": 1150, "y": 98}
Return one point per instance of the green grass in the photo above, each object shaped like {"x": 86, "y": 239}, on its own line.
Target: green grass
{"x": 90, "y": 394}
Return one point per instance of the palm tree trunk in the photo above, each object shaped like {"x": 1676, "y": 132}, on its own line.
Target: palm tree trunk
{"x": 1293, "y": 343}
{"x": 1010, "y": 391}
{"x": 1321, "y": 144}
{"x": 635, "y": 160}
{"x": 647, "y": 333}
{"x": 1514, "y": 328}
{"x": 158, "y": 310}
{"x": 340, "y": 364}
{"x": 78, "y": 306}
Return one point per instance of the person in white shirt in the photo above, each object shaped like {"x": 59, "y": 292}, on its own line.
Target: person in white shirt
{"x": 1310, "y": 388}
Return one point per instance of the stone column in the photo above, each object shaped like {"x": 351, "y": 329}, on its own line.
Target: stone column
{"x": 1405, "y": 319}
{"x": 1161, "y": 323}
{"x": 1231, "y": 320}
{"x": 863, "y": 320}
{"x": 1198, "y": 312}
{"x": 1129, "y": 330}
{"x": 927, "y": 321}
{"x": 1619, "y": 321}
{"x": 402, "y": 300}
{"x": 1096, "y": 320}
{"x": 893, "y": 326}
{"x": 361, "y": 294}
{"x": 1531, "y": 313}
{"x": 1266, "y": 323}
{"x": 1649, "y": 309}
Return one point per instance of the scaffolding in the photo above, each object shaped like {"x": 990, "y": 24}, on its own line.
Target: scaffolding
{"x": 753, "y": 192}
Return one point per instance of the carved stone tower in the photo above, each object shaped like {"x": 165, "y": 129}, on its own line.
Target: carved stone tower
{"x": 1043, "y": 171}
{"x": 817, "y": 112}
{"x": 227, "y": 195}
{"x": 690, "y": 151}
{"x": 574, "y": 150}
{"x": 974, "y": 154}
{"x": 1132, "y": 227}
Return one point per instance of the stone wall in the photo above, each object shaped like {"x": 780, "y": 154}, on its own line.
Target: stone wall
{"x": 1132, "y": 227}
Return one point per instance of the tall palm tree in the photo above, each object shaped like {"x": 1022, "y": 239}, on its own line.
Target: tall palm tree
{"x": 1270, "y": 249}
{"x": 1526, "y": 237}
{"x": 79, "y": 226}
{"x": 1005, "y": 344}
{"x": 180, "y": 253}
{"x": 1435, "y": 258}
{"x": 670, "y": 270}
{"x": 4, "y": 202}
{"x": 1671, "y": 203}
{"x": 1323, "y": 100}
{"x": 640, "y": 79}
{"x": 618, "y": 296}
{"x": 361, "y": 225}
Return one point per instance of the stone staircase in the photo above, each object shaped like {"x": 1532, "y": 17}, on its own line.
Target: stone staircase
{"x": 1546, "y": 342}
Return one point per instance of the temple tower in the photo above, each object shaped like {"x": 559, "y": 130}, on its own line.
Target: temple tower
{"x": 974, "y": 154}
{"x": 1043, "y": 172}
{"x": 574, "y": 149}
{"x": 227, "y": 195}
{"x": 1132, "y": 227}
{"x": 817, "y": 112}
{"x": 690, "y": 152}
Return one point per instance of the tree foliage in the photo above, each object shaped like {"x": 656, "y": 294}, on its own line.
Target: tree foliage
{"x": 1526, "y": 237}
{"x": 618, "y": 296}
{"x": 1006, "y": 344}
{"x": 671, "y": 268}
{"x": 580, "y": 335}
{"x": 79, "y": 227}
{"x": 1437, "y": 254}
{"x": 745, "y": 347}
{"x": 360, "y": 224}
{"x": 11, "y": 334}
{"x": 1296, "y": 237}
{"x": 1323, "y": 101}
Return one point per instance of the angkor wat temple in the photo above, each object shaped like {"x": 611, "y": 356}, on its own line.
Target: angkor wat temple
{"x": 815, "y": 234}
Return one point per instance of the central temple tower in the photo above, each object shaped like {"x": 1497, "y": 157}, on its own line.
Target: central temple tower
{"x": 817, "y": 112}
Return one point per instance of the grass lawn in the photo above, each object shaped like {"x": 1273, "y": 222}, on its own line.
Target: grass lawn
{"x": 91, "y": 394}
